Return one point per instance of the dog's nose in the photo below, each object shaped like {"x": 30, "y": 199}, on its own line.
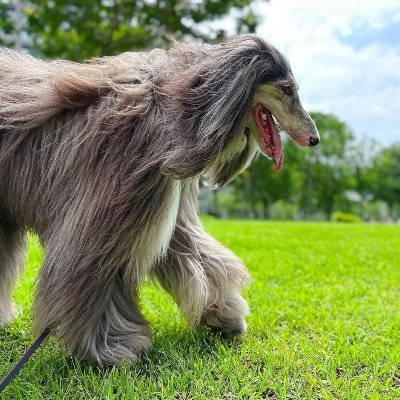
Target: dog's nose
{"x": 314, "y": 140}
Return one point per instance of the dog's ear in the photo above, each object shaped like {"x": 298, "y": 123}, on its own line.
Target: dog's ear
{"x": 212, "y": 97}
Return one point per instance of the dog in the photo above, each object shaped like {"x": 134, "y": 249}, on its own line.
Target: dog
{"x": 103, "y": 161}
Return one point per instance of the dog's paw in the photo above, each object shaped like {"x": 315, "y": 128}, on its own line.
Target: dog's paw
{"x": 7, "y": 313}
{"x": 115, "y": 350}
{"x": 227, "y": 318}
{"x": 229, "y": 329}
{"x": 120, "y": 352}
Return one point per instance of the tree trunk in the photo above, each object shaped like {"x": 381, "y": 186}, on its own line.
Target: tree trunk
{"x": 267, "y": 202}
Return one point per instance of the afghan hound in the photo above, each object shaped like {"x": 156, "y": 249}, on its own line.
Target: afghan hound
{"x": 103, "y": 159}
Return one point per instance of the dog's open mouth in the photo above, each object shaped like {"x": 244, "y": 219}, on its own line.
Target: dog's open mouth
{"x": 269, "y": 136}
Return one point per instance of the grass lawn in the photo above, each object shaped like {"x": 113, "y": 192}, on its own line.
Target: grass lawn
{"x": 324, "y": 324}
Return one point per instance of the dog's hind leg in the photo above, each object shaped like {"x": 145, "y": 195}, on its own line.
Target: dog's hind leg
{"x": 204, "y": 278}
{"x": 12, "y": 260}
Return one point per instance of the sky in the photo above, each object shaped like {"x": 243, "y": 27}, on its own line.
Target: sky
{"x": 345, "y": 56}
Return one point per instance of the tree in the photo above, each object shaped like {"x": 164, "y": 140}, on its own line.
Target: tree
{"x": 328, "y": 171}
{"x": 385, "y": 181}
{"x": 314, "y": 178}
{"x": 76, "y": 29}
{"x": 260, "y": 186}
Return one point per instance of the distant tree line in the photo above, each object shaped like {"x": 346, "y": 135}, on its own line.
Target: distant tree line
{"x": 342, "y": 174}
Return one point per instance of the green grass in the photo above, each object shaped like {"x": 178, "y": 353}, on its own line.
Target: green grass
{"x": 324, "y": 324}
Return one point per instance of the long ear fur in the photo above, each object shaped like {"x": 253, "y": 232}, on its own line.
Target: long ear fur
{"x": 214, "y": 95}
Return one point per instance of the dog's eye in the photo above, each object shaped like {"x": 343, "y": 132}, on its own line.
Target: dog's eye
{"x": 287, "y": 89}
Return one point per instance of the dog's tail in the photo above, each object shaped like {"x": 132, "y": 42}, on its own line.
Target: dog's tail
{"x": 33, "y": 91}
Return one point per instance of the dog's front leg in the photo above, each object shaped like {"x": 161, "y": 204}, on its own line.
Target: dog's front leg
{"x": 87, "y": 291}
{"x": 204, "y": 278}
{"x": 96, "y": 256}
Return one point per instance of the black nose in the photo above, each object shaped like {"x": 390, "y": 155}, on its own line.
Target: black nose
{"x": 314, "y": 140}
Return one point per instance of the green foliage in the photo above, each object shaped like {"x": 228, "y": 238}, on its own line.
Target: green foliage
{"x": 6, "y": 24}
{"x": 385, "y": 177}
{"x": 314, "y": 179}
{"x": 324, "y": 324}
{"x": 375, "y": 211}
{"x": 327, "y": 168}
{"x": 283, "y": 210}
{"x": 77, "y": 30}
{"x": 338, "y": 174}
{"x": 340, "y": 216}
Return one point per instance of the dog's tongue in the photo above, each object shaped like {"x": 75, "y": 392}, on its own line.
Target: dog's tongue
{"x": 270, "y": 139}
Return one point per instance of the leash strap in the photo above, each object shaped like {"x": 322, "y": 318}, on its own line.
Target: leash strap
{"x": 28, "y": 354}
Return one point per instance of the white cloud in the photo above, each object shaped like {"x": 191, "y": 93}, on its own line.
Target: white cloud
{"x": 361, "y": 86}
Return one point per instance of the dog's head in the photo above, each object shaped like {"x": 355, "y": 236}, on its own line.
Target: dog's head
{"x": 278, "y": 100}
{"x": 227, "y": 103}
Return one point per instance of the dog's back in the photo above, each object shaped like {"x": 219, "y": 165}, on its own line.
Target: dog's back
{"x": 32, "y": 91}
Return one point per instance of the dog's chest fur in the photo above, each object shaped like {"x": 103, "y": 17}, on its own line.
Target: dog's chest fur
{"x": 155, "y": 238}
{"x": 171, "y": 208}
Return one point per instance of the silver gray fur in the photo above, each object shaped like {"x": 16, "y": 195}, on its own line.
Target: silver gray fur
{"x": 102, "y": 160}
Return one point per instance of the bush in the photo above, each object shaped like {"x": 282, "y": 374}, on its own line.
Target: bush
{"x": 340, "y": 216}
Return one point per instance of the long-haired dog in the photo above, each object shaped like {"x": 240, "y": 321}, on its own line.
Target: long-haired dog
{"x": 102, "y": 160}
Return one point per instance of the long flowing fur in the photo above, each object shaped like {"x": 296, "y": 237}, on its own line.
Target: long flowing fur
{"x": 103, "y": 160}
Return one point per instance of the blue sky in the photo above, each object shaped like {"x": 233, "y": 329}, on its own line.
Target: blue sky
{"x": 345, "y": 56}
{"x": 363, "y": 35}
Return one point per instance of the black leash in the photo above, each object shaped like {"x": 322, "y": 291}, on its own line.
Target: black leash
{"x": 29, "y": 353}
